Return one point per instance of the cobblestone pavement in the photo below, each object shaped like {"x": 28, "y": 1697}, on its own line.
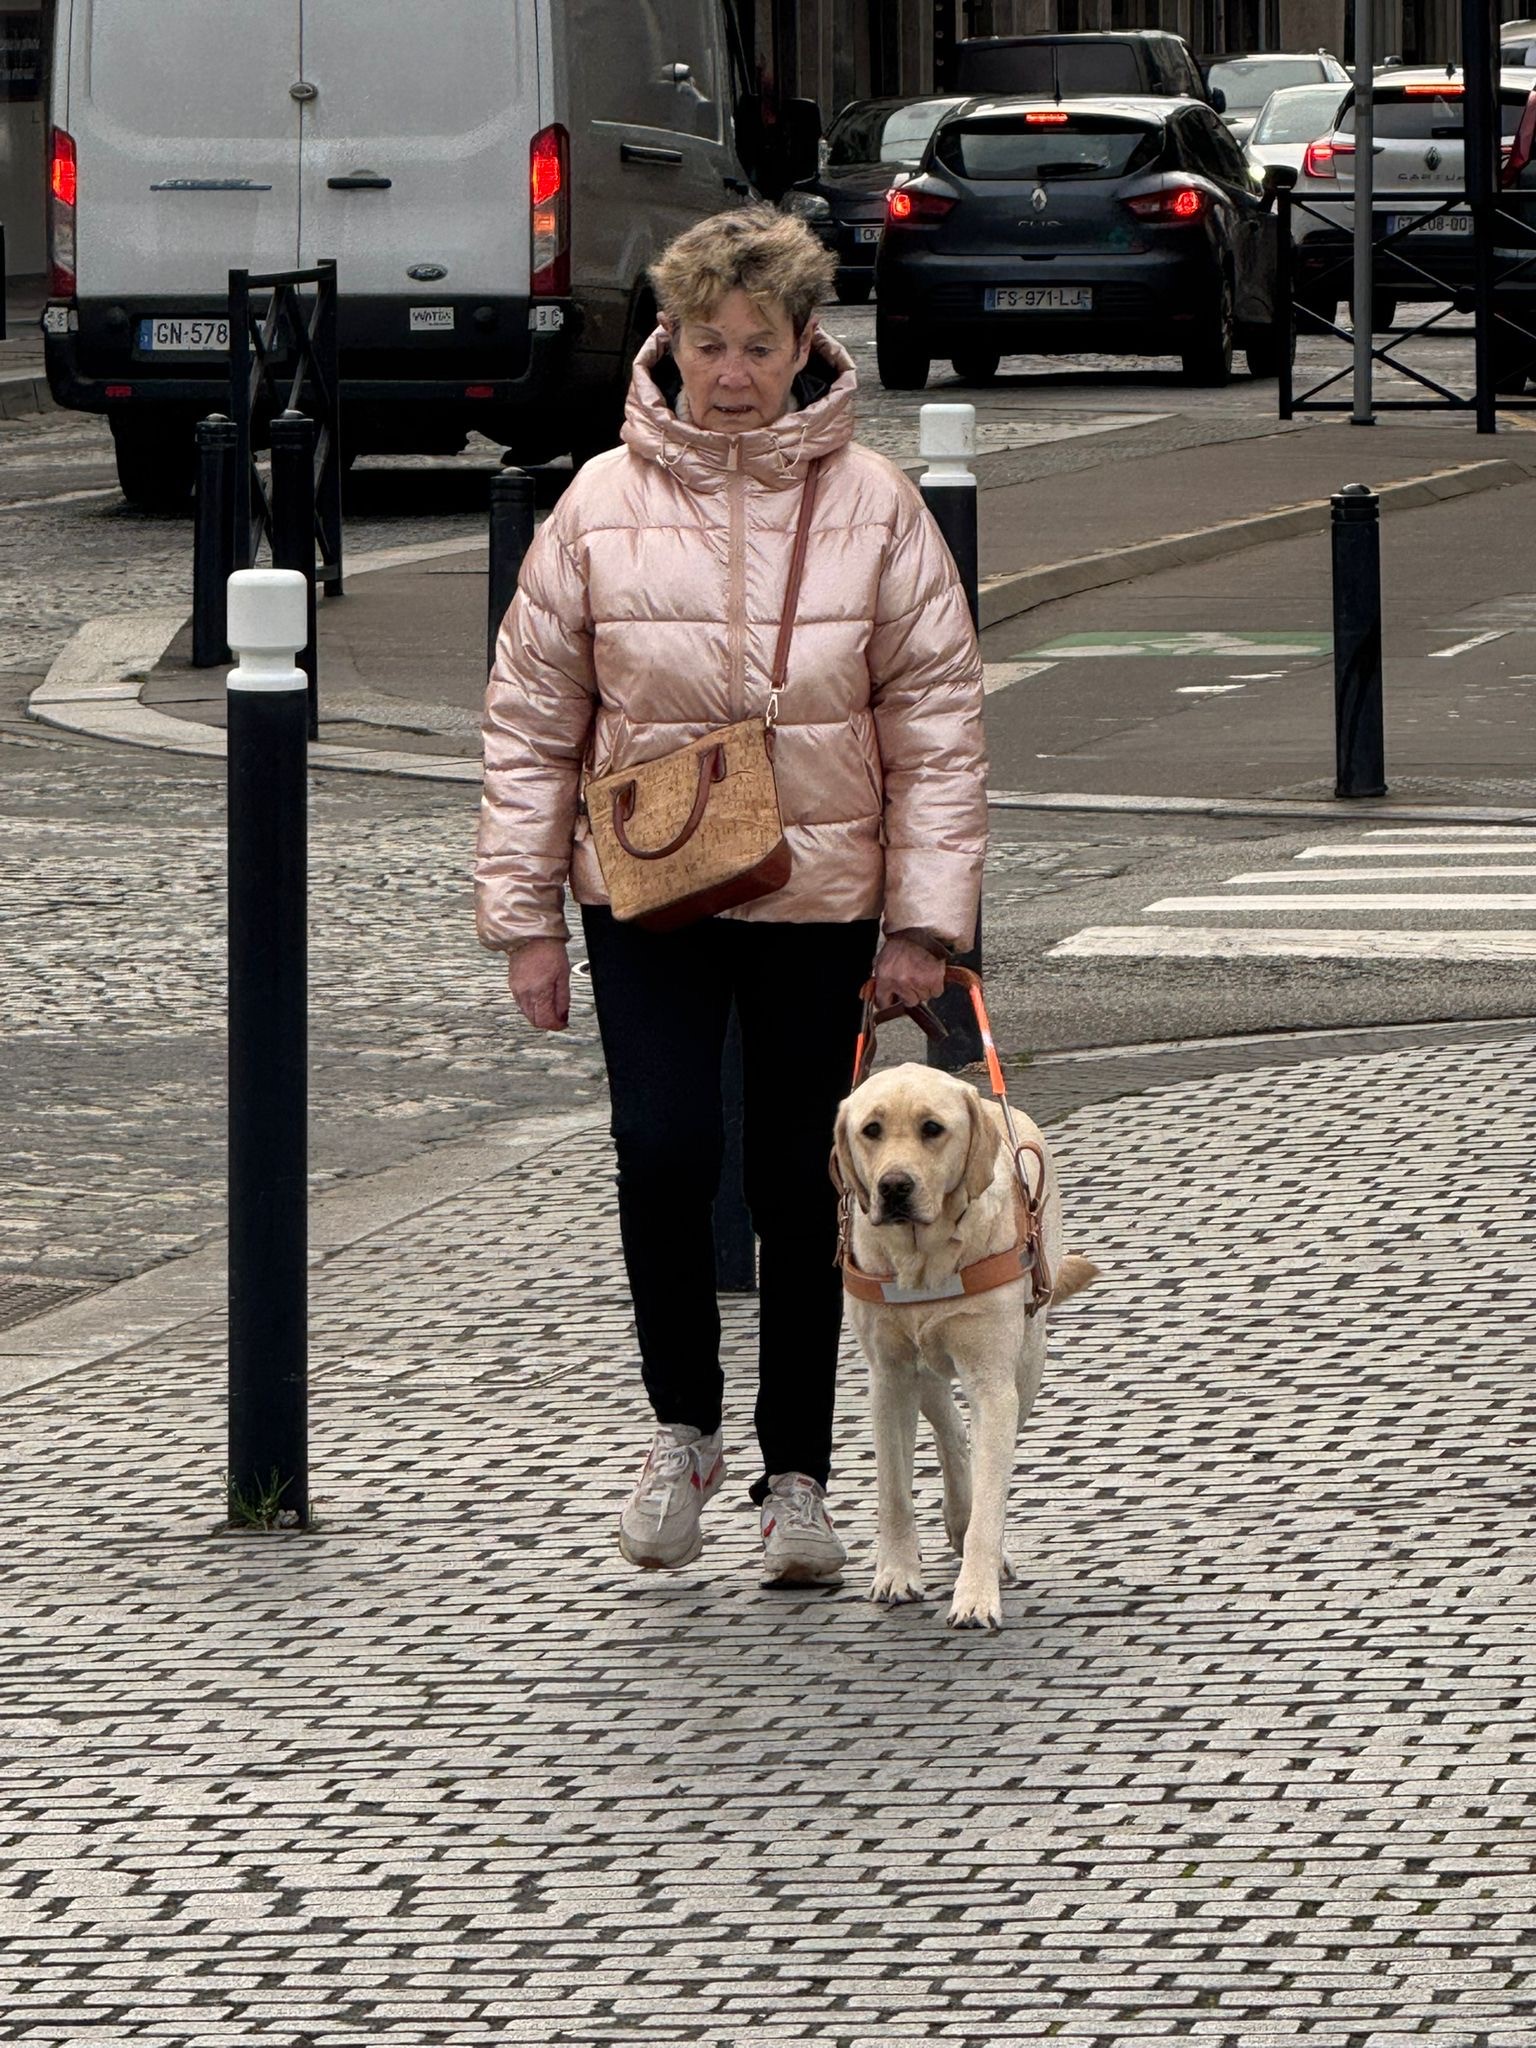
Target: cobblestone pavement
{"x": 1245, "y": 1765}
{"x": 112, "y": 1002}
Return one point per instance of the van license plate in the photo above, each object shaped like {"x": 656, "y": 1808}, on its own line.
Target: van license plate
{"x": 867, "y": 234}
{"x": 1436, "y": 224}
{"x": 183, "y": 337}
{"x": 1039, "y": 298}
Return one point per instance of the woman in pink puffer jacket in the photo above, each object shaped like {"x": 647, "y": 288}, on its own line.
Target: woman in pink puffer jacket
{"x": 646, "y": 616}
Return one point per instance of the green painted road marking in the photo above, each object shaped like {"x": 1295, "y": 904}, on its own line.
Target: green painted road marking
{"x": 1225, "y": 646}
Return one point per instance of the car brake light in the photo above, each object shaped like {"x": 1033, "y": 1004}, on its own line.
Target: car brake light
{"x": 549, "y": 221}
{"x": 1180, "y": 203}
{"x": 905, "y": 205}
{"x": 1447, "y": 91}
{"x": 1053, "y": 119}
{"x": 63, "y": 184}
{"x": 1319, "y": 161}
{"x": 1520, "y": 151}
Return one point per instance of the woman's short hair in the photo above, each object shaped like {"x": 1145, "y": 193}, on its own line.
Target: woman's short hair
{"x": 772, "y": 257}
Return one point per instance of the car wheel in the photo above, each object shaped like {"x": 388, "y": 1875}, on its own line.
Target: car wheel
{"x": 976, "y": 365}
{"x": 1267, "y": 354}
{"x": 902, "y": 360}
{"x": 1315, "y": 311}
{"x": 853, "y": 291}
{"x": 1383, "y": 311}
{"x": 156, "y": 460}
{"x": 1208, "y": 361}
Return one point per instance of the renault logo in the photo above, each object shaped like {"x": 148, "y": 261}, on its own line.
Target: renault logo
{"x": 426, "y": 273}
{"x": 1432, "y": 158}
{"x": 1037, "y": 199}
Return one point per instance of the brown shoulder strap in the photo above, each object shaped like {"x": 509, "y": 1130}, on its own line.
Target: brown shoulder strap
{"x": 796, "y": 568}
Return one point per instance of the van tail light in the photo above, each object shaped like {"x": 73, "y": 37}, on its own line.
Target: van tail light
{"x": 1175, "y": 205}
{"x": 63, "y": 185}
{"x": 549, "y": 218}
{"x": 904, "y": 206}
{"x": 1321, "y": 159}
{"x": 1523, "y": 148}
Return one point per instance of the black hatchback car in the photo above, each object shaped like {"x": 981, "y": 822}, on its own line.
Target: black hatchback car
{"x": 1114, "y": 226}
{"x": 868, "y": 146}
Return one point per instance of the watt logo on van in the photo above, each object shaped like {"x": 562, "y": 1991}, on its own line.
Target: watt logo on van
{"x": 431, "y": 319}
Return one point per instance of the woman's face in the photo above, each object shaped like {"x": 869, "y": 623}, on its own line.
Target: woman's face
{"x": 737, "y": 366}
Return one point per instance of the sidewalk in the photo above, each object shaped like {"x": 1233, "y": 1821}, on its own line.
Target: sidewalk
{"x": 402, "y": 655}
{"x": 1242, "y": 1766}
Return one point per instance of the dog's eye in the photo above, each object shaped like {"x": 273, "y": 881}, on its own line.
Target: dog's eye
{"x": 871, "y": 1130}
{"x": 932, "y": 1130}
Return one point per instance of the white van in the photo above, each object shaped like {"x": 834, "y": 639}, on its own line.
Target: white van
{"x": 492, "y": 178}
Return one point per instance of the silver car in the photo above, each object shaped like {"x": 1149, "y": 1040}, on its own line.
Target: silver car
{"x": 1290, "y": 119}
{"x": 1247, "y": 82}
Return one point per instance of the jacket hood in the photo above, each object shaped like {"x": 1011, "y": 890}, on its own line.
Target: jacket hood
{"x": 775, "y": 456}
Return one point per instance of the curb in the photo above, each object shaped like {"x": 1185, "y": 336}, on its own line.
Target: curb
{"x": 1006, "y": 597}
{"x": 1311, "y": 810}
{"x": 23, "y": 395}
{"x": 151, "y": 1304}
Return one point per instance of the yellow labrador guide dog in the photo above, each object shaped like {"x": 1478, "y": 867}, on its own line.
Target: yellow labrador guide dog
{"x": 952, "y": 1260}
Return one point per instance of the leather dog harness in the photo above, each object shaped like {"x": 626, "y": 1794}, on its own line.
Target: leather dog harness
{"x": 1025, "y": 1257}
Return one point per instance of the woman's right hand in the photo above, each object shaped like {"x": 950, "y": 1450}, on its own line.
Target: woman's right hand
{"x": 539, "y": 976}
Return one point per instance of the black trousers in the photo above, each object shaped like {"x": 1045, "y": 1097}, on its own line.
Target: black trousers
{"x": 663, "y": 1006}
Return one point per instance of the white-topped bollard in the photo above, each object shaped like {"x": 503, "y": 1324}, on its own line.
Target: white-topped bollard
{"x": 267, "y": 704}
{"x": 947, "y": 442}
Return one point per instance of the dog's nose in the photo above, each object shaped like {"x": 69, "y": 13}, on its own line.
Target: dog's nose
{"x": 895, "y": 1187}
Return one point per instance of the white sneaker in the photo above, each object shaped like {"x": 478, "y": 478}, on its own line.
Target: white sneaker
{"x": 800, "y": 1546}
{"x": 660, "y": 1522}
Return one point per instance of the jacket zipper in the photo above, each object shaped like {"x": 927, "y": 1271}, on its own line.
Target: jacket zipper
{"x": 736, "y": 681}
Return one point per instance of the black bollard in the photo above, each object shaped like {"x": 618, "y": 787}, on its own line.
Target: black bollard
{"x": 735, "y": 1245}
{"x": 213, "y": 539}
{"x": 1359, "y": 744}
{"x": 947, "y": 438}
{"x": 268, "y": 1478}
{"x": 511, "y": 538}
{"x": 293, "y": 532}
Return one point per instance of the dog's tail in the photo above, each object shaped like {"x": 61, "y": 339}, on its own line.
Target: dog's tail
{"x": 1072, "y": 1276}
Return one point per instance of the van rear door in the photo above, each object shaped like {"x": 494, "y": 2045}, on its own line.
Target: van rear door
{"x": 187, "y": 143}
{"x": 415, "y": 145}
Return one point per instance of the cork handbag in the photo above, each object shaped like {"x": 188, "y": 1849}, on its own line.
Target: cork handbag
{"x": 699, "y": 830}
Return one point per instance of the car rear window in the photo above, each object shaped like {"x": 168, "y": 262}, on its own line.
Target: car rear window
{"x": 1077, "y": 146}
{"x": 1425, "y": 117}
{"x": 885, "y": 135}
{"x": 1299, "y": 116}
{"x": 1076, "y": 71}
{"x": 1249, "y": 81}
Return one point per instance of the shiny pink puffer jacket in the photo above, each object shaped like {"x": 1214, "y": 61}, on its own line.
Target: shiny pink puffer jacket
{"x": 650, "y": 602}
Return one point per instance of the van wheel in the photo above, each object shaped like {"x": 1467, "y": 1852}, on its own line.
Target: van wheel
{"x": 853, "y": 291}
{"x": 903, "y": 362}
{"x": 1208, "y": 361}
{"x": 976, "y": 365}
{"x": 156, "y": 460}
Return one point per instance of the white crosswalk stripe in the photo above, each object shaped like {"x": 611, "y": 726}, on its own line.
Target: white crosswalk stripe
{"x": 1447, "y": 869}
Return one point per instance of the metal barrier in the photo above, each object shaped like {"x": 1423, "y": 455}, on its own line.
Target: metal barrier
{"x": 283, "y": 358}
{"x": 1501, "y": 297}
{"x": 3, "y": 335}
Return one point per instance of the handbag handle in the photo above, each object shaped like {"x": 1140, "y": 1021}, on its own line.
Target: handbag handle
{"x": 780, "y": 670}
{"x": 711, "y": 771}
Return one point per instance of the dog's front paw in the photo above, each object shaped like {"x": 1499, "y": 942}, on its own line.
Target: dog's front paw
{"x": 896, "y": 1581}
{"x": 978, "y": 1603}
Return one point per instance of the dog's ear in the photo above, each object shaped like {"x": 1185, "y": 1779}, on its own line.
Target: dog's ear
{"x": 845, "y": 1175}
{"x": 986, "y": 1143}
